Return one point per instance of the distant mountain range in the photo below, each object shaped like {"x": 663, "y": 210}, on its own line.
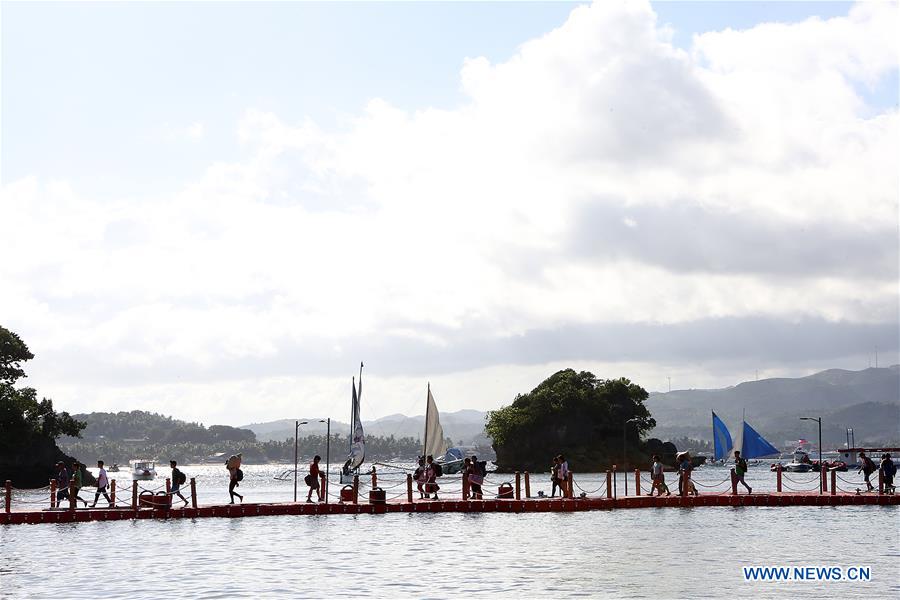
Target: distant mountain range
{"x": 463, "y": 427}
{"x": 867, "y": 401}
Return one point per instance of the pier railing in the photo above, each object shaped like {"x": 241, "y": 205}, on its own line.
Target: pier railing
{"x": 515, "y": 486}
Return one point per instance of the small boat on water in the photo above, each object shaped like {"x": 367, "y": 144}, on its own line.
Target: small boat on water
{"x": 800, "y": 462}
{"x": 453, "y": 461}
{"x": 114, "y": 468}
{"x": 143, "y": 470}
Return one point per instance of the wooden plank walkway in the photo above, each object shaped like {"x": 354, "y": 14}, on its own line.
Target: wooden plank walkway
{"x": 537, "y": 505}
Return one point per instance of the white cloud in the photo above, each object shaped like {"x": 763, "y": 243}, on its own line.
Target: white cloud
{"x": 414, "y": 225}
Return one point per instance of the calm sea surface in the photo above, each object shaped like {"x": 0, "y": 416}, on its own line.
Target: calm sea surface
{"x": 647, "y": 553}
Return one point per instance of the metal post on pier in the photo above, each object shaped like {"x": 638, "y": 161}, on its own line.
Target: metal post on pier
{"x": 637, "y": 482}
{"x": 52, "y": 493}
{"x": 296, "y": 458}
{"x": 609, "y": 485}
{"x": 570, "y": 481}
{"x": 112, "y": 492}
{"x": 409, "y": 497}
{"x": 193, "y": 492}
{"x": 518, "y": 486}
{"x": 880, "y": 482}
{"x": 615, "y": 479}
{"x": 328, "y": 454}
{"x": 8, "y": 495}
{"x": 734, "y": 482}
{"x": 833, "y": 483}
{"x": 134, "y": 495}
{"x": 824, "y": 478}
{"x": 72, "y": 494}
{"x": 527, "y": 485}
{"x": 355, "y": 489}
{"x": 778, "y": 469}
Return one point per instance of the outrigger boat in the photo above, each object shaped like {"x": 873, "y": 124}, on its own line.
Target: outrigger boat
{"x": 752, "y": 444}
{"x": 143, "y": 470}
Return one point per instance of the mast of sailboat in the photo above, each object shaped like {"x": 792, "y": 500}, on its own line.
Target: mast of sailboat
{"x": 427, "y": 407}
{"x": 743, "y": 423}
{"x": 352, "y": 413}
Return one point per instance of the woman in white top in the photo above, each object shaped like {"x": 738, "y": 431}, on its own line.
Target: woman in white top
{"x": 102, "y": 482}
{"x": 563, "y": 476}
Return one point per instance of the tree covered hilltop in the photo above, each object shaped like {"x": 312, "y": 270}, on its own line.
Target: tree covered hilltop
{"x": 578, "y": 415}
{"x": 122, "y": 436}
{"x": 28, "y": 427}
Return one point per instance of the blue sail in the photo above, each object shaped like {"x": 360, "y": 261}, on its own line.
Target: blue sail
{"x": 755, "y": 445}
{"x": 721, "y": 438}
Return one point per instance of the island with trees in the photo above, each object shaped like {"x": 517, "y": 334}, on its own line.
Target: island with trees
{"x": 30, "y": 427}
{"x": 592, "y": 421}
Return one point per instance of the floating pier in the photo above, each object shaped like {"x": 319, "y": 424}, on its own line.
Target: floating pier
{"x": 507, "y": 500}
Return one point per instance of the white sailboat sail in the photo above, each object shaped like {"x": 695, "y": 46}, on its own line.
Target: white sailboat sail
{"x": 435, "y": 445}
{"x": 358, "y": 438}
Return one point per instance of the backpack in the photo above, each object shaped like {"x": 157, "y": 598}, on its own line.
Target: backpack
{"x": 239, "y": 475}
{"x": 180, "y": 478}
{"x": 741, "y": 465}
{"x": 890, "y": 469}
{"x": 438, "y": 469}
{"x": 868, "y": 465}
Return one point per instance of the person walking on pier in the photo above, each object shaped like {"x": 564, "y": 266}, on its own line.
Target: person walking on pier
{"x": 740, "y": 469}
{"x": 102, "y": 482}
{"x": 62, "y": 482}
{"x": 866, "y": 467}
{"x": 563, "y": 476}
{"x": 554, "y": 477}
{"x": 432, "y": 472}
{"x": 685, "y": 485}
{"x": 312, "y": 480}
{"x": 420, "y": 477}
{"x": 235, "y": 475}
{"x": 659, "y": 477}
{"x": 78, "y": 478}
{"x": 479, "y": 472}
{"x": 178, "y": 479}
{"x": 888, "y": 470}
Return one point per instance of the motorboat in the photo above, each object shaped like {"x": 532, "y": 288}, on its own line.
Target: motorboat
{"x": 453, "y": 461}
{"x": 114, "y": 468}
{"x": 800, "y": 462}
{"x": 143, "y": 470}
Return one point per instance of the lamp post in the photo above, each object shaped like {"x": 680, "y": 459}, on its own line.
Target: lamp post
{"x": 819, "y": 421}
{"x": 297, "y": 425}
{"x": 327, "y": 454}
{"x": 624, "y": 451}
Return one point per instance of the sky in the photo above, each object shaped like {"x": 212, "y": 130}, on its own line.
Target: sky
{"x": 217, "y": 210}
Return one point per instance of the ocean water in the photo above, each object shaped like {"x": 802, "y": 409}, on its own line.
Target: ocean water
{"x": 644, "y": 553}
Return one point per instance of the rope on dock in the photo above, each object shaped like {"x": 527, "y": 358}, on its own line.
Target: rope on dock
{"x": 851, "y": 482}
{"x": 17, "y": 489}
{"x": 815, "y": 487}
{"x": 575, "y": 482}
{"x": 785, "y": 477}
{"x": 726, "y": 480}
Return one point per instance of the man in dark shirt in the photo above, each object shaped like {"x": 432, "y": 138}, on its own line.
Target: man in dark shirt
{"x": 62, "y": 482}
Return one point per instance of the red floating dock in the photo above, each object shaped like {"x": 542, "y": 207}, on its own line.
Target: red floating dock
{"x": 493, "y": 505}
